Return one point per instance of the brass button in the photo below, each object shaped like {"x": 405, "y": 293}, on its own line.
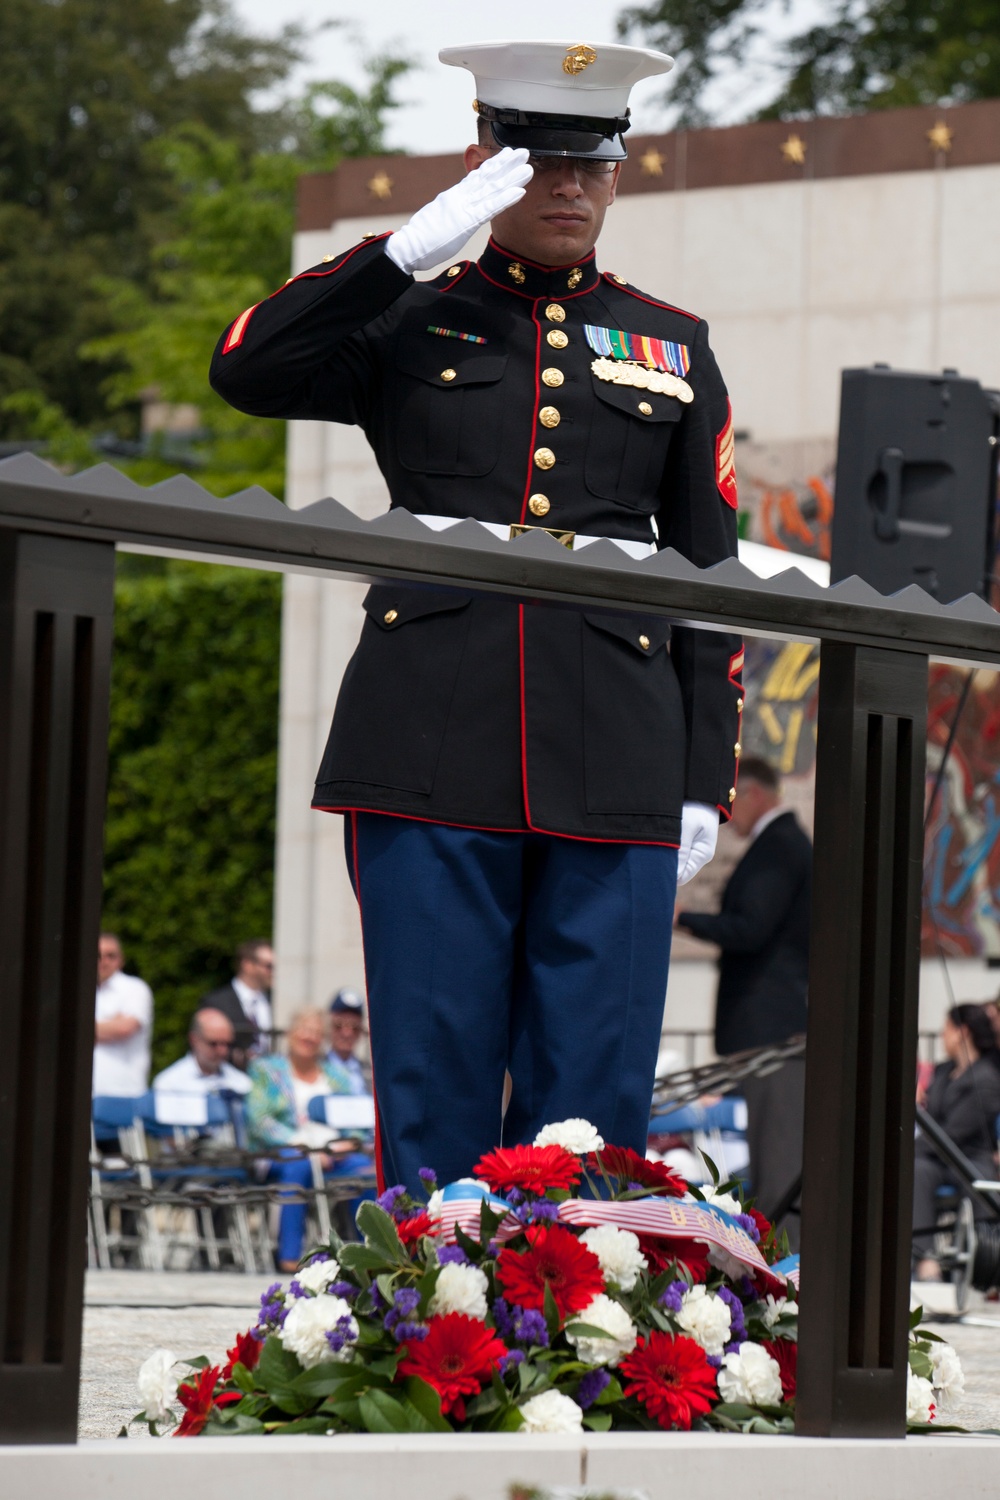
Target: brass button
{"x": 552, "y": 377}
{"x": 732, "y": 794}
{"x": 739, "y": 705}
{"x": 644, "y": 642}
{"x": 454, "y": 270}
{"x": 544, "y": 458}
{"x": 645, "y": 408}
{"x": 327, "y": 258}
{"x": 737, "y": 749}
{"x": 555, "y": 313}
{"x": 447, "y": 374}
{"x": 620, "y": 279}
{"x": 390, "y": 617}
{"x": 369, "y": 235}
{"x": 549, "y": 416}
{"x": 539, "y": 505}
{"x": 556, "y": 338}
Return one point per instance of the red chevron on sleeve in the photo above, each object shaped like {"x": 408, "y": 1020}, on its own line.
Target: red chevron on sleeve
{"x": 725, "y": 460}
{"x": 238, "y": 329}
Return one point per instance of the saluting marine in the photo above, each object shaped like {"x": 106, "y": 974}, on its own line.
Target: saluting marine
{"x": 518, "y": 779}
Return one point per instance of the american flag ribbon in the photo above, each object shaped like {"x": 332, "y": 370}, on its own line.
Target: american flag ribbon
{"x": 657, "y": 354}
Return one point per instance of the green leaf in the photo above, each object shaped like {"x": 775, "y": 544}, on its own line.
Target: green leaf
{"x": 386, "y": 1364}
{"x": 386, "y": 1283}
{"x": 317, "y": 1425}
{"x": 427, "y": 1284}
{"x": 915, "y": 1317}
{"x": 243, "y": 1378}
{"x": 489, "y": 1221}
{"x": 712, "y": 1168}
{"x": 238, "y": 1425}
{"x": 597, "y": 1421}
{"x": 379, "y": 1230}
{"x": 348, "y": 1412}
{"x": 553, "y": 1321}
{"x": 427, "y": 1404}
{"x": 381, "y": 1412}
{"x": 473, "y": 1249}
{"x": 586, "y": 1330}
{"x": 198, "y": 1363}
{"x": 327, "y": 1379}
{"x": 612, "y": 1392}
{"x": 920, "y": 1363}
{"x": 276, "y": 1364}
{"x": 363, "y": 1258}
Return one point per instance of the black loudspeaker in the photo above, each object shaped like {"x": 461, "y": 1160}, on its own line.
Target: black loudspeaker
{"x": 916, "y": 488}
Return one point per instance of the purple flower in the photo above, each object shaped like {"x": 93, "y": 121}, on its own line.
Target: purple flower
{"x": 379, "y": 1303}
{"x": 341, "y": 1333}
{"x": 673, "y": 1296}
{"x": 295, "y": 1288}
{"x": 747, "y": 1288}
{"x": 315, "y": 1260}
{"x": 544, "y": 1212}
{"x": 593, "y": 1383}
{"x": 531, "y": 1328}
{"x": 343, "y": 1289}
{"x": 737, "y": 1325}
{"x": 428, "y": 1177}
{"x": 504, "y": 1316}
{"x": 452, "y": 1255}
{"x": 733, "y": 1348}
{"x": 511, "y": 1361}
{"x": 745, "y": 1222}
{"x": 272, "y": 1311}
{"x": 635, "y": 1187}
{"x": 515, "y": 1197}
{"x": 396, "y": 1319}
{"x": 715, "y": 1360}
{"x": 408, "y": 1333}
{"x": 391, "y": 1197}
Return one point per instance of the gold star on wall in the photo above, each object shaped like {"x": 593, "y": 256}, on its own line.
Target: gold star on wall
{"x": 380, "y": 186}
{"x": 940, "y": 136}
{"x": 794, "y": 150}
{"x": 651, "y": 163}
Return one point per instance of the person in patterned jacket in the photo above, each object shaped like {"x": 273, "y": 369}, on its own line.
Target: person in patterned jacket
{"x": 524, "y": 785}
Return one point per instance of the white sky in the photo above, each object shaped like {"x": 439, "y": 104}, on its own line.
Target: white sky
{"x": 437, "y": 115}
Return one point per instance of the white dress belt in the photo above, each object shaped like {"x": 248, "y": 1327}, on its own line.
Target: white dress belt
{"x": 573, "y": 539}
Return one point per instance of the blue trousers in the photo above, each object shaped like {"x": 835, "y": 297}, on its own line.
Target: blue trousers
{"x": 520, "y": 951}
{"x": 295, "y": 1171}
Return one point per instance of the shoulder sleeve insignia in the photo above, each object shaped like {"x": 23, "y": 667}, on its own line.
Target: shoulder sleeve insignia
{"x": 725, "y": 460}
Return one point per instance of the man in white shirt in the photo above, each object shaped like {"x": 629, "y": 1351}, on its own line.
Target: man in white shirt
{"x": 123, "y": 1025}
{"x": 206, "y": 1068}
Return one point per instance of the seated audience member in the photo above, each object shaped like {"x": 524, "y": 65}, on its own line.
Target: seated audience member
{"x": 964, "y": 1098}
{"x": 346, "y": 1027}
{"x": 206, "y": 1068}
{"x": 123, "y": 1025}
{"x": 278, "y": 1117}
{"x": 246, "y": 1001}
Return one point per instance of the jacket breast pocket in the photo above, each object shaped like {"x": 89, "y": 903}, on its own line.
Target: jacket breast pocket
{"x": 634, "y": 737}
{"x": 448, "y": 414}
{"x": 630, "y": 433}
{"x": 394, "y": 702}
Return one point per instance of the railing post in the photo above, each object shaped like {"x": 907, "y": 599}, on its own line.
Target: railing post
{"x": 56, "y": 616}
{"x": 861, "y": 1044}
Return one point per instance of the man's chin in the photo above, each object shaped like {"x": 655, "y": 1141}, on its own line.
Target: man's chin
{"x": 557, "y": 246}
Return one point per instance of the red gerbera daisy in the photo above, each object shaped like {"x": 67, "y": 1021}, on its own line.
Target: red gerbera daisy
{"x": 662, "y": 1253}
{"x": 764, "y": 1228}
{"x": 246, "y": 1352}
{"x": 197, "y": 1397}
{"x": 410, "y": 1230}
{"x": 533, "y": 1169}
{"x": 785, "y": 1353}
{"x": 672, "y": 1378}
{"x": 455, "y": 1358}
{"x": 629, "y": 1166}
{"x": 555, "y": 1259}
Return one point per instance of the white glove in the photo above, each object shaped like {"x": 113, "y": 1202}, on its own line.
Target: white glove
{"x": 439, "y": 230}
{"x": 699, "y": 834}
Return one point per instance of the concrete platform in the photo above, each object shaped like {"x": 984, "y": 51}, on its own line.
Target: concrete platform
{"x": 625, "y": 1466}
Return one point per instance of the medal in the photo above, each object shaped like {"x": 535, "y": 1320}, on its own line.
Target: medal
{"x": 627, "y": 372}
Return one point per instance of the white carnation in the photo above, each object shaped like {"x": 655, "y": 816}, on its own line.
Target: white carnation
{"x": 726, "y": 1201}
{"x": 305, "y": 1329}
{"x": 460, "y": 1289}
{"x": 706, "y": 1318}
{"x": 604, "y": 1312}
{"x": 317, "y": 1276}
{"x": 919, "y": 1398}
{"x": 578, "y": 1136}
{"x": 948, "y": 1378}
{"x": 157, "y": 1386}
{"x": 551, "y": 1412}
{"x": 729, "y": 1265}
{"x": 777, "y": 1307}
{"x": 435, "y": 1201}
{"x": 619, "y": 1254}
{"x": 751, "y": 1377}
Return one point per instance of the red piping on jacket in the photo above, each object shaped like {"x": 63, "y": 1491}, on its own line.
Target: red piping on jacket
{"x": 379, "y": 1171}
{"x": 580, "y": 838}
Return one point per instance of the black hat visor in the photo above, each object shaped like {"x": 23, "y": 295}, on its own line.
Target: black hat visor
{"x": 557, "y": 135}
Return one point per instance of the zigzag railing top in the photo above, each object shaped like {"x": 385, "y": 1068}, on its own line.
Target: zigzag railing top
{"x": 180, "y": 516}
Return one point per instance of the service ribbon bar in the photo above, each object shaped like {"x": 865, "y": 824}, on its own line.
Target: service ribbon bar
{"x": 657, "y": 354}
{"x": 453, "y": 333}
{"x": 671, "y": 1219}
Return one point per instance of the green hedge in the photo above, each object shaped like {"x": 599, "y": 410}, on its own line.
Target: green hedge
{"x": 189, "y": 838}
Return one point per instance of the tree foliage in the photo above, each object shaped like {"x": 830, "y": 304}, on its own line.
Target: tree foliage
{"x": 189, "y": 836}
{"x": 866, "y": 54}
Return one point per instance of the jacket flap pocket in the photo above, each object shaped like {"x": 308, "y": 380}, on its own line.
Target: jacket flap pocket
{"x": 391, "y": 605}
{"x": 635, "y": 401}
{"x": 644, "y": 633}
{"x": 448, "y": 362}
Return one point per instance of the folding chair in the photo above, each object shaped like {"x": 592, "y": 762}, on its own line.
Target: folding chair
{"x": 114, "y": 1117}
{"x": 346, "y": 1114}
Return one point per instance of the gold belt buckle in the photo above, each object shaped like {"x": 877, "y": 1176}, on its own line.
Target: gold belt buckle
{"x": 565, "y": 538}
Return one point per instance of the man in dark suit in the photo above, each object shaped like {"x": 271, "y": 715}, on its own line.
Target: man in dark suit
{"x": 245, "y": 1000}
{"x": 763, "y": 933}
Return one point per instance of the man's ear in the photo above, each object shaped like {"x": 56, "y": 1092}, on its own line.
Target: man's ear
{"x": 614, "y": 182}
{"x": 475, "y": 156}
